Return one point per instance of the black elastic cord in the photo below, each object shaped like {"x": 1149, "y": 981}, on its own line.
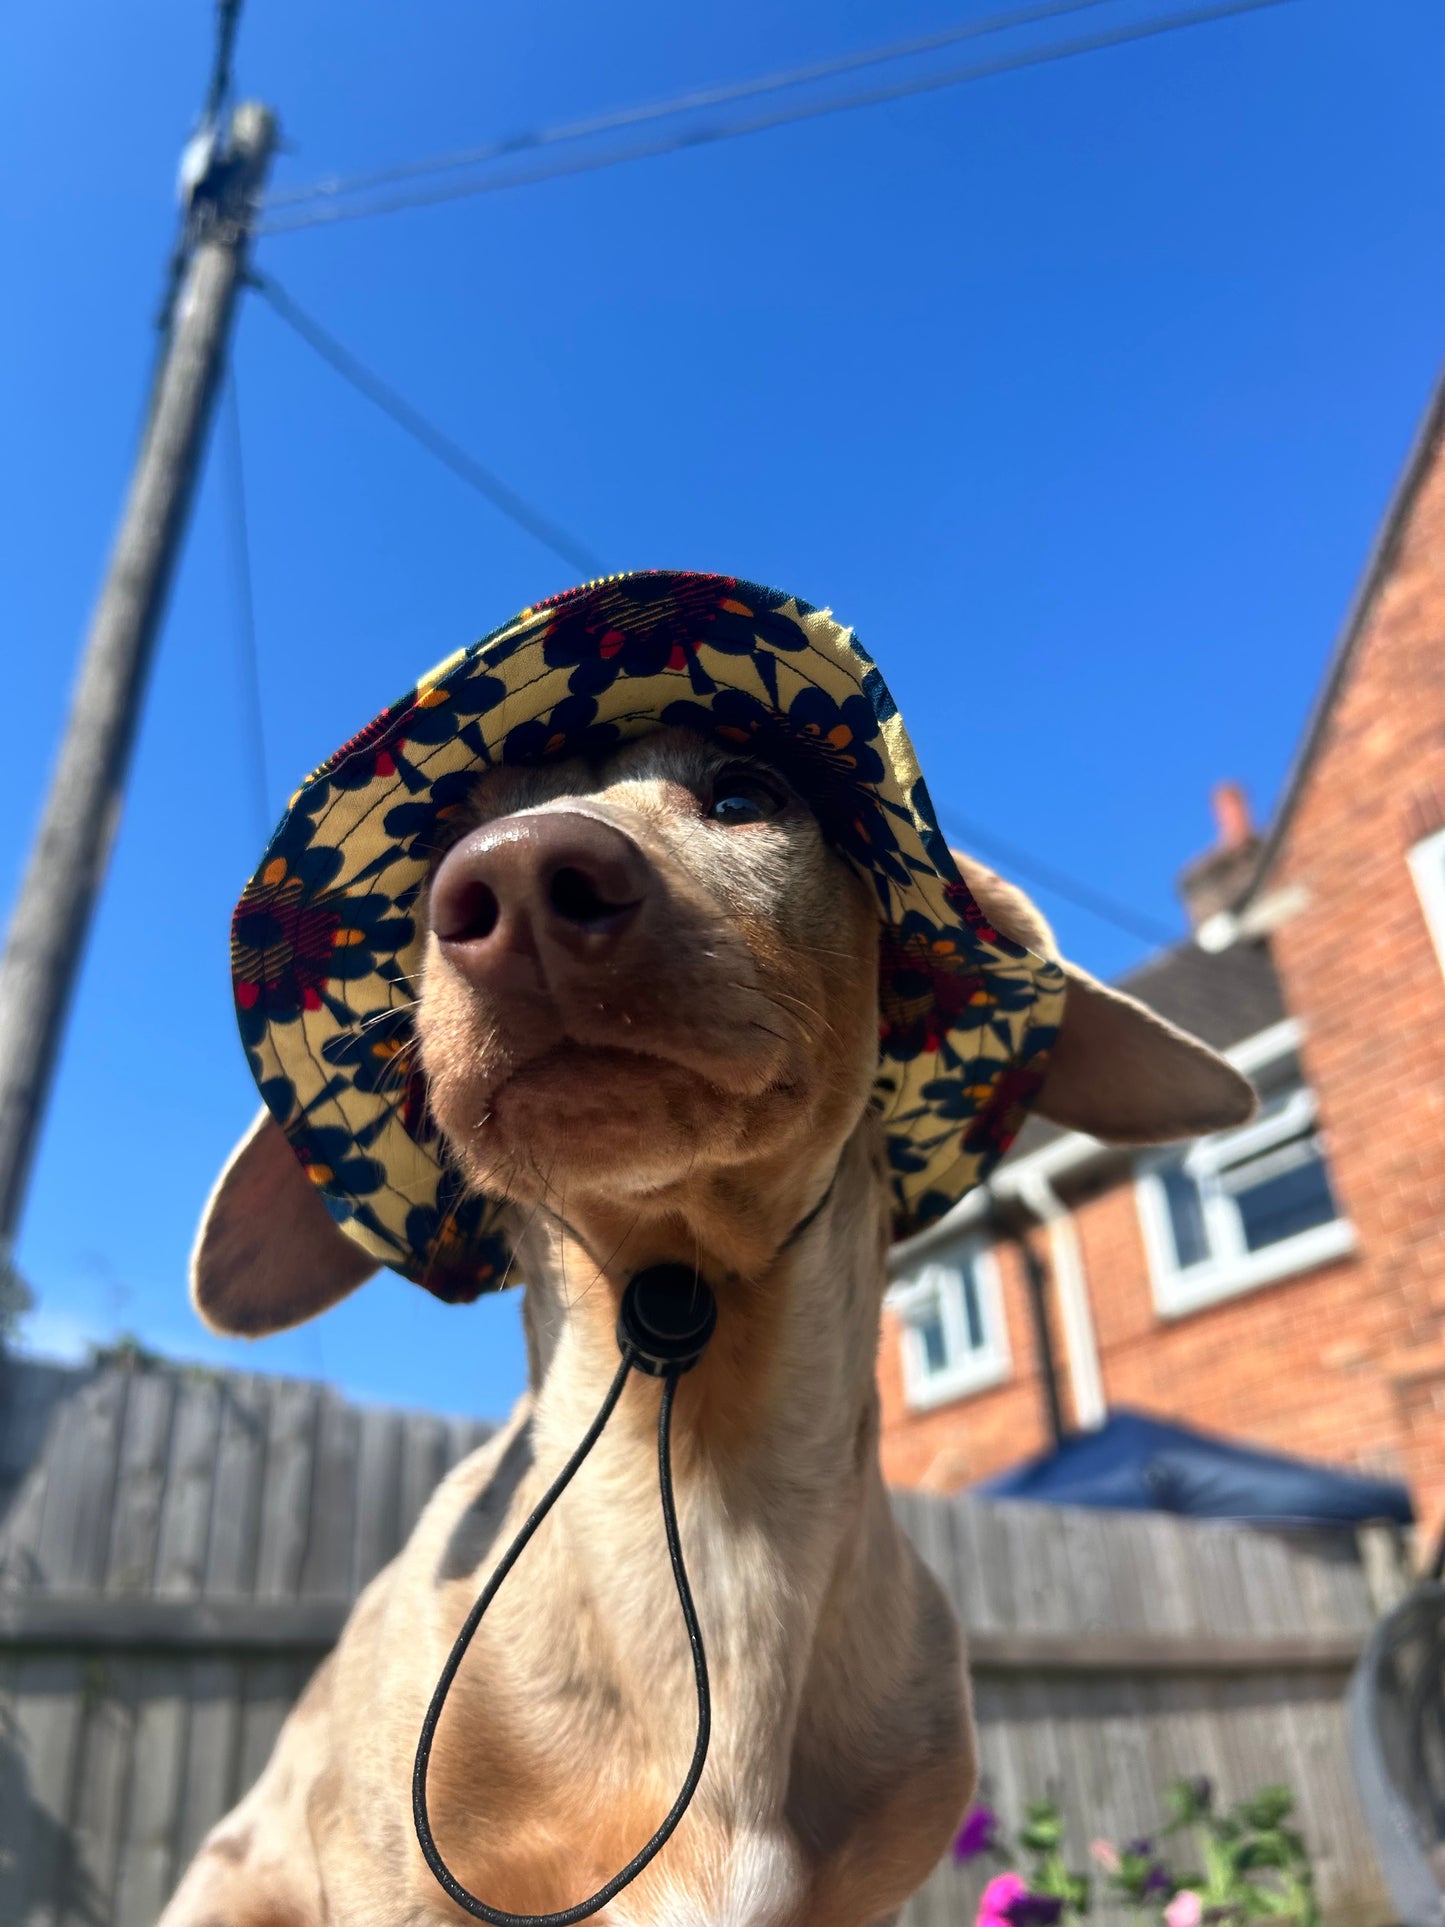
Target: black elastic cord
{"x": 806, "y": 1224}
{"x": 444, "y": 1876}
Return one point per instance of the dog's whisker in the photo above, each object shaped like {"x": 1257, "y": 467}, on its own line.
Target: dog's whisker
{"x": 515, "y": 1242}
{"x": 562, "y": 1254}
{"x": 602, "y": 1269}
{"x": 771, "y": 997}
{"x": 755, "y": 1023}
{"x": 787, "y": 996}
{"x": 384, "y": 1016}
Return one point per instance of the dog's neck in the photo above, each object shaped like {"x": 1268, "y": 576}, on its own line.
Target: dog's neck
{"x": 796, "y": 1262}
{"x": 775, "y": 1456}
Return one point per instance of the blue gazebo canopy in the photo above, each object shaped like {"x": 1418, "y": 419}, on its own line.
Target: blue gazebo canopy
{"x": 1135, "y": 1463}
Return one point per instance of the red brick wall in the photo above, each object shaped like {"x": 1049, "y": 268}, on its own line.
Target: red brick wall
{"x": 1280, "y": 1365}
{"x": 1289, "y": 1366}
{"x": 1359, "y": 968}
{"x": 1345, "y": 1363}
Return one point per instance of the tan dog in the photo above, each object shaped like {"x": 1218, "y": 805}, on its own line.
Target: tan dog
{"x": 649, "y": 1017}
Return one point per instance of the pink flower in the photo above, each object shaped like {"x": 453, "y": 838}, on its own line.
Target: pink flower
{"x": 1186, "y": 1909}
{"x": 998, "y": 1896}
{"x": 1106, "y": 1854}
{"x": 1007, "y": 1902}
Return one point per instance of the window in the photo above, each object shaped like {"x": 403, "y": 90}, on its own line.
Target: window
{"x": 1244, "y": 1207}
{"x": 1427, "y": 860}
{"x": 953, "y": 1330}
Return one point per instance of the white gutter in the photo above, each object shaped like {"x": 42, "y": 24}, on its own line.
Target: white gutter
{"x": 1067, "y": 1263}
{"x": 1009, "y": 1185}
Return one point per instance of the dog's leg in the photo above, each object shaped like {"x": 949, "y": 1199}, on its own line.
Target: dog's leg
{"x": 258, "y": 1866}
{"x": 231, "y": 1884}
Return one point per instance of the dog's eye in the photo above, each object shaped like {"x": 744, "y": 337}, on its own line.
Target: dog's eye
{"x": 742, "y": 796}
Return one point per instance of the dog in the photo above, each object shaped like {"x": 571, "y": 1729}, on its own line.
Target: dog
{"x": 648, "y": 1016}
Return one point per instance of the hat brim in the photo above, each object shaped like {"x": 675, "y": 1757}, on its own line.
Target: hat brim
{"x": 327, "y": 939}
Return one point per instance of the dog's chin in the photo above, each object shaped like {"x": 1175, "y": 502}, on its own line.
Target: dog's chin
{"x": 581, "y": 1119}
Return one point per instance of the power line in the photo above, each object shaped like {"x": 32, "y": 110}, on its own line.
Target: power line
{"x": 681, "y": 104}
{"x": 760, "y": 123}
{"x": 1135, "y": 922}
{"x": 549, "y": 533}
{"x": 248, "y": 660}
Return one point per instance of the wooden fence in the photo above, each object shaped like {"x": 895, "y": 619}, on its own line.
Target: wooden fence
{"x": 1112, "y": 1653}
{"x": 178, "y": 1548}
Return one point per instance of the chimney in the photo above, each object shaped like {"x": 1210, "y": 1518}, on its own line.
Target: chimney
{"x": 1215, "y": 881}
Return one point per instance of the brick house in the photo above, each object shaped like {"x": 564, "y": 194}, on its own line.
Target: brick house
{"x": 1283, "y": 1283}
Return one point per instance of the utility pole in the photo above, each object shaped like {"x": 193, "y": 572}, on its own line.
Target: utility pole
{"x": 52, "y": 915}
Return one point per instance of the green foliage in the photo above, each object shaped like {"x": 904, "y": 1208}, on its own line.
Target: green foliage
{"x": 1255, "y": 1866}
{"x": 1041, "y": 1844}
{"x": 1140, "y": 1875}
{"x": 1188, "y": 1802}
{"x": 1216, "y": 1868}
{"x": 1268, "y": 1808}
{"x": 1043, "y": 1828}
{"x": 127, "y": 1352}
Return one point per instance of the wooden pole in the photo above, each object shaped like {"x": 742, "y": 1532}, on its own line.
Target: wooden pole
{"x": 52, "y": 915}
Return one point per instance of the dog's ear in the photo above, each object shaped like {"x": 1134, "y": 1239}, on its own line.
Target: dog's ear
{"x": 267, "y": 1254}
{"x": 1118, "y": 1071}
{"x": 1123, "y": 1074}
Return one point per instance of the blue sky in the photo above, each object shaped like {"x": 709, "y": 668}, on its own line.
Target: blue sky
{"x": 1079, "y": 392}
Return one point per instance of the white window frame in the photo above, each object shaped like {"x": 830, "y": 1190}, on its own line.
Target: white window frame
{"x": 1427, "y": 866}
{"x": 1233, "y": 1269}
{"x": 939, "y": 1280}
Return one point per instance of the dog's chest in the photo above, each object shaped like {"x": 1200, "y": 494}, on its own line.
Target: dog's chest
{"x": 752, "y": 1879}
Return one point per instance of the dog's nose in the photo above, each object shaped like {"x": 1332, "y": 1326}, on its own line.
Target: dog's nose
{"x": 556, "y": 880}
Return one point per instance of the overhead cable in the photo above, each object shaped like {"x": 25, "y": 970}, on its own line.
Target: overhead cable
{"x": 248, "y": 659}
{"x": 681, "y": 104}
{"x": 977, "y": 838}
{"x": 228, "y": 19}
{"x": 549, "y": 533}
{"x": 704, "y": 135}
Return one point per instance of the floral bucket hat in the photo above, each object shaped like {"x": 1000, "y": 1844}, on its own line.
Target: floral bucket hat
{"x": 327, "y": 939}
